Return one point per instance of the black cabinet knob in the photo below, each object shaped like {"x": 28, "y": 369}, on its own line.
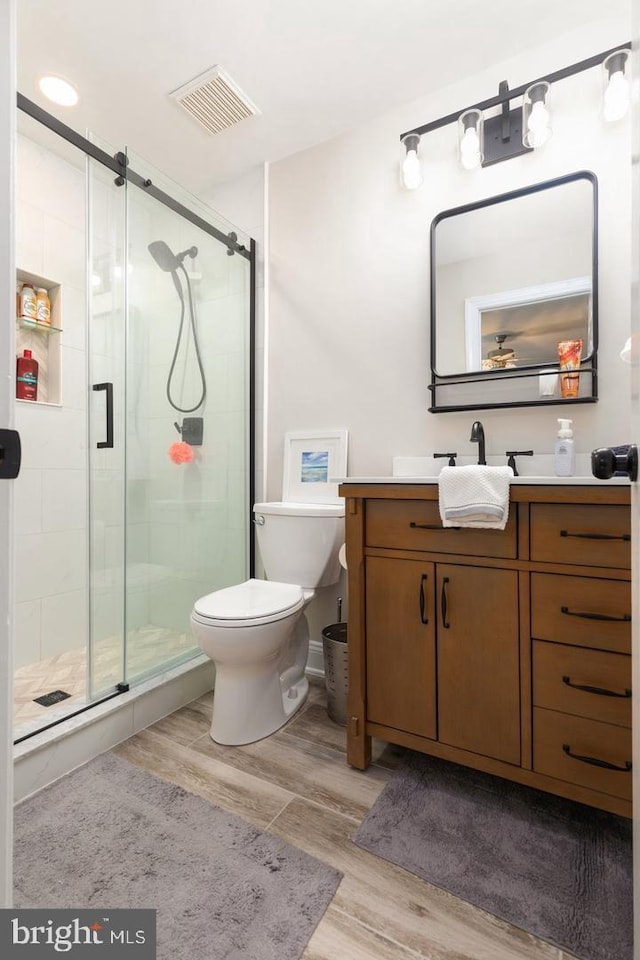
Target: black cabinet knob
{"x": 605, "y": 462}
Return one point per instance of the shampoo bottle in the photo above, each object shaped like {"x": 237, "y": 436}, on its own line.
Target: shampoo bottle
{"x": 565, "y": 457}
{"x": 27, "y": 377}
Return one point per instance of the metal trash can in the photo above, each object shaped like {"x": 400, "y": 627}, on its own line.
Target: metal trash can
{"x": 336, "y": 671}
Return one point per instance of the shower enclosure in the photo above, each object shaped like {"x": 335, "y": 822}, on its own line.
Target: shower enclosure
{"x": 134, "y": 497}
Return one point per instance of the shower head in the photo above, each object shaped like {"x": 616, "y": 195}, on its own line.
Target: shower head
{"x": 167, "y": 260}
{"x": 163, "y": 256}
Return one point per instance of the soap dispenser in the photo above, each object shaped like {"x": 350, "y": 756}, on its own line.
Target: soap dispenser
{"x": 565, "y": 457}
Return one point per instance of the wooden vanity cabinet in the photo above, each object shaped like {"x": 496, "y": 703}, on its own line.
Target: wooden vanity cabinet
{"x": 401, "y": 655}
{"x": 507, "y": 651}
{"x": 478, "y": 660}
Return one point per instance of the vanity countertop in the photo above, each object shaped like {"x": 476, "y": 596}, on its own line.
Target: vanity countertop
{"x": 516, "y": 481}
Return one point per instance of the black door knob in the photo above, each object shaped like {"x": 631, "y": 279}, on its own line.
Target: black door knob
{"x": 605, "y": 462}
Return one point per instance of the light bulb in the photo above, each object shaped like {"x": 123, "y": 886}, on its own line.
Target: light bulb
{"x": 538, "y": 124}
{"x": 616, "y": 97}
{"x": 470, "y": 156}
{"x": 411, "y": 170}
{"x": 471, "y": 139}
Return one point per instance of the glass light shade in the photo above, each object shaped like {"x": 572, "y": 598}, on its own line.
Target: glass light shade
{"x": 59, "y": 91}
{"x": 471, "y": 139}
{"x": 411, "y": 168}
{"x": 616, "y": 96}
{"x": 536, "y": 118}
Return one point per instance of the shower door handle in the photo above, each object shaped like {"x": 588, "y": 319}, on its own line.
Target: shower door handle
{"x": 108, "y": 387}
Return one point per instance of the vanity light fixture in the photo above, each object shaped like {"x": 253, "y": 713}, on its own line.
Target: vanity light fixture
{"x": 617, "y": 93}
{"x": 512, "y": 132}
{"x": 411, "y": 168}
{"x": 471, "y": 139}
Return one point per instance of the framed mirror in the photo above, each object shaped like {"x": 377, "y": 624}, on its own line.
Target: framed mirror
{"x": 514, "y": 298}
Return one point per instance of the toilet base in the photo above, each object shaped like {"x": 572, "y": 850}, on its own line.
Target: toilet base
{"x": 272, "y": 701}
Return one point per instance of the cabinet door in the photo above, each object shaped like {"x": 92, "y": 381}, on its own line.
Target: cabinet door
{"x": 401, "y": 689}
{"x": 478, "y": 661}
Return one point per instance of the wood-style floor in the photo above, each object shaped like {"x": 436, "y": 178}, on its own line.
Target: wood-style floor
{"x": 297, "y": 785}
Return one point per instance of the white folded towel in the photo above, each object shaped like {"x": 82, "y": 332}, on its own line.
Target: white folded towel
{"x": 474, "y": 496}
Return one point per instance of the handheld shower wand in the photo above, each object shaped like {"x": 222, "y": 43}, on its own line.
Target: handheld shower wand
{"x": 171, "y": 263}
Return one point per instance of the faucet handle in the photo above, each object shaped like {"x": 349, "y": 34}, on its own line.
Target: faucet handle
{"x": 512, "y": 454}
{"x": 452, "y": 457}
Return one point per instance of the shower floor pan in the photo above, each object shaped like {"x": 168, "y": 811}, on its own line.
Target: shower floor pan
{"x": 147, "y": 646}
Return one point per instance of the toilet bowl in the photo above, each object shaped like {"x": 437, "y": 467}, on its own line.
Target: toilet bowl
{"x": 256, "y": 632}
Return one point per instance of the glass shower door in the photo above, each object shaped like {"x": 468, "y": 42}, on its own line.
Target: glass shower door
{"x": 187, "y": 421}
{"x": 107, "y": 283}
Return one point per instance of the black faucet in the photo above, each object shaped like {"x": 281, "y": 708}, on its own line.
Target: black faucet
{"x": 477, "y": 436}
{"x": 512, "y": 454}
{"x": 452, "y": 457}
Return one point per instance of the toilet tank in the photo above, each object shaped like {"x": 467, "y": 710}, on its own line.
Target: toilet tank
{"x": 299, "y": 542}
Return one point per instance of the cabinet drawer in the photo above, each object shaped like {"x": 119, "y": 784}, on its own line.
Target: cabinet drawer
{"x": 557, "y": 735}
{"x": 416, "y": 525}
{"x": 560, "y": 674}
{"x": 574, "y": 533}
{"x": 585, "y": 611}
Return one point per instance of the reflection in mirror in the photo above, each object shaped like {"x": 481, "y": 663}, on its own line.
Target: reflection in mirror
{"x": 512, "y": 276}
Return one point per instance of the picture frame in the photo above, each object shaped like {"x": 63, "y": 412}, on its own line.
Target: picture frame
{"x": 313, "y": 460}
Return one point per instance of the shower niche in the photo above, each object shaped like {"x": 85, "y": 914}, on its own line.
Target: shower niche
{"x": 43, "y": 340}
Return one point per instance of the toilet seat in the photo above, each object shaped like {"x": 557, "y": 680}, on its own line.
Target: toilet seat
{"x": 249, "y": 604}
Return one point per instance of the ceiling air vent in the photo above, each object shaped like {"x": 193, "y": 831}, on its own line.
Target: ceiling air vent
{"x": 214, "y": 100}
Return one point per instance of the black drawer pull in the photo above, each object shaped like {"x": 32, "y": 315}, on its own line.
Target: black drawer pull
{"x": 443, "y": 603}
{"x": 595, "y": 762}
{"x": 596, "y": 536}
{"x": 599, "y": 690}
{"x": 423, "y": 619}
{"x": 430, "y": 526}
{"x": 596, "y": 616}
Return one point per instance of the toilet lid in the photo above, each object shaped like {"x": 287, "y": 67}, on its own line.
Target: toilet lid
{"x": 252, "y": 600}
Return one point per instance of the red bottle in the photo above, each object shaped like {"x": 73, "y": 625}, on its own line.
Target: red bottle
{"x": 26, "y": 377}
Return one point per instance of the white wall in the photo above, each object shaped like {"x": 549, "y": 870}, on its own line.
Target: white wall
{"x": 349, "y": 294}
{"x": 246, "y": 202}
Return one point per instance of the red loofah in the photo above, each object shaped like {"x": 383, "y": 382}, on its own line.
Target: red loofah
{"x": 181, "y": 452}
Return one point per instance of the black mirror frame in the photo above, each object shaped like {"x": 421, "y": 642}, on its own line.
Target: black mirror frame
{"x": 588, "y": 366}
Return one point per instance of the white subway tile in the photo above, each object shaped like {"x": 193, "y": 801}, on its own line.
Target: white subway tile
{"x": 50, "y": 563}
{"x": 64, "y": 623}
{"x": 28, "y": 501}
{"x": 26, "y": 648}
{"x": 64, "y": 500}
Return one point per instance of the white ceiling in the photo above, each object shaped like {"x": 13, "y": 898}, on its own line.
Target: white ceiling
{"x": 314, "y": 67}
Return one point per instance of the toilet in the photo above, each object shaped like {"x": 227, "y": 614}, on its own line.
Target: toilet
{"x": 256, "y": 632}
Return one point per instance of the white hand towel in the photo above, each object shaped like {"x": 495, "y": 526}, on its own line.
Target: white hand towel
{"x": 474, "y": 496}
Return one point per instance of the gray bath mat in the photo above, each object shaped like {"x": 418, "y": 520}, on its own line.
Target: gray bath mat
{"x": 112, "y": 835}
{"x": 560, "y": 870}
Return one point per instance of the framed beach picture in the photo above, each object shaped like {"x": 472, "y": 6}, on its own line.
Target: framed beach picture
{"x": 313, "y": 460}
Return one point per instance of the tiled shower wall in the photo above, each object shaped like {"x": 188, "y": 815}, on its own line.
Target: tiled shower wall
{"x": 51, "y": 491}
{"x": 186, "y": 523}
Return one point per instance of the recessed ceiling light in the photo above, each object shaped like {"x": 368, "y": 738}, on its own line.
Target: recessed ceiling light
{"x": 59, "y": 91}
